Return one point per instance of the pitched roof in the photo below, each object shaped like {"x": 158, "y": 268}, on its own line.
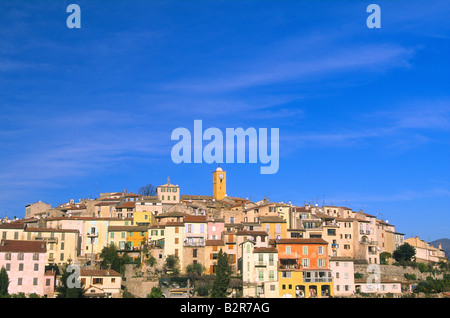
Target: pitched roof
{"x": 301, "y": 241}
{"x": 214, "y": 243}
{"x": 98, "y": 272}
{"x": 195, "y": 219}
{"x": 23, "y": 246}
{"x": 247, "y": 232}
{"x": 272, "y": 219}
{"x": 128, "y": 228}
{"x": 265, "y": 250}
{"x": 47, "y": 229}
{"x": 129, "y": 204}
{"x": 13, "y": 225}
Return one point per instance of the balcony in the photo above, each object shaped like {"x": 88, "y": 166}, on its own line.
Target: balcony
{"x": 260, "y": 264}
{"x": 194, "y": 241}
{"x": 47, "y": 239}
{"x": 368, "y": 242}
{"x": 317, "y": 277}
{"x": 289, "y": 267}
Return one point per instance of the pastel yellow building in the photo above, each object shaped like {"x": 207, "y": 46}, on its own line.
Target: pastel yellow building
{"x": 62, "y": 244}
{"x": 275, "y": 226}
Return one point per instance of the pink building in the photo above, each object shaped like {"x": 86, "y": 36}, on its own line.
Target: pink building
{"x": 24, "y": 262}
{"x": 215, "y": 229}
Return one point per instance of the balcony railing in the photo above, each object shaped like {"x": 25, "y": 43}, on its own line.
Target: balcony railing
{"x": 368, "y": 242}
{"x": 194, "y": 243}
{"x": 260, "y": 264}
{"x": 290, "y": 266}
{"x": 318, "y": 280}
{"x": 47, "y": 239}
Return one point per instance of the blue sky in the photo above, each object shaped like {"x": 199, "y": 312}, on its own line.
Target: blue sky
{"x": 363, "y": 114}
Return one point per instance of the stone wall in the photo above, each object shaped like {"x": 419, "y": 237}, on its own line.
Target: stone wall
{"x": 136, "y": 283}
{"x": 391, "y": 272}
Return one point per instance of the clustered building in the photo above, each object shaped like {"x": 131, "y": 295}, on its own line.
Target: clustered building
{"x": 279, "y": 249}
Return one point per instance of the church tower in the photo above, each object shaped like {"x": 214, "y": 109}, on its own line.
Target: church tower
{"x": 219, "y": 184}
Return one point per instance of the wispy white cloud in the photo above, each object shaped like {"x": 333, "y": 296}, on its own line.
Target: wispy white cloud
{"x": 402, "y": 127}
{"x": 271, "y": 71}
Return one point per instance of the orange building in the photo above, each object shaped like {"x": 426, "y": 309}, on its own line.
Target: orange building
{"x": 304, "y": 268}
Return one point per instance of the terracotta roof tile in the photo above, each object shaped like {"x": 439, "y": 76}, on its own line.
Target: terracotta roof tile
{"x": 22, "y": 246}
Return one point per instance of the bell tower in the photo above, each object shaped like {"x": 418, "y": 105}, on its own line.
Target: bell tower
{"x": 219, "y": 184}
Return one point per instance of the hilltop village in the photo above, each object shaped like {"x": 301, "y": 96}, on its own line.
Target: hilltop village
{"x": 274, "y": 250}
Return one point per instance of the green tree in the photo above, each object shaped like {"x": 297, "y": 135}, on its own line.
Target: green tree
{"x": 404, "y": 253}
{"x": 156, "y": 292}
{"x": 64, "y": 290}
{"x": 110, "y": 259}
{"x": 195, "y": 269}
{"x": 151, "y": 261}
{"x": 223, "y": 277}
{"x": 384, "y": 258}
{"x": 172, "y": 264}
{"x": 4, "y": 282}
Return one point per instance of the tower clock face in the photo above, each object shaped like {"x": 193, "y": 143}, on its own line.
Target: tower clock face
{"x": 221, "y": 176}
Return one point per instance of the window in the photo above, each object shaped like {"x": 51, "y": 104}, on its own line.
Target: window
{"x": 35, "y": 281}
{"x": 36, "y": 267}
{"x": 35, "y": 257}
{"x": 260, "y": 275}
{"x": 305, "y": 250}
{"x": 286, "y": 274}
{"x": 47, "y": 282}
{"x": 321, "y": 250}
{"x": 288, "y": 250}
{"x": 61, "y": 257}
{"x": 337, "y": 275}
{"x": 21, "y": 267}
{"x": 20, "y": 256}
{"x": 62, "y": 245}
{"x": 278, "y": 228}
{"x": 194, "y": 252}
{"x": 8, "y": 256}
{"x": 320, "y": 263}
{"x": 113, "y": 280}
{"x": 8, "y": 267}
{"x": 112, "y": 235}
{"x": 19, "y": 281}
{"x": 305, "y": 262}
{"x": 98, "y": 281}
{"x": 271, "y": 275}
{"x": 16, "y": 235}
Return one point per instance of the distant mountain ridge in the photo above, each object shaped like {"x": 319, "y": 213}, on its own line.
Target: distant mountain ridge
{"x": 445, "y": 242}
